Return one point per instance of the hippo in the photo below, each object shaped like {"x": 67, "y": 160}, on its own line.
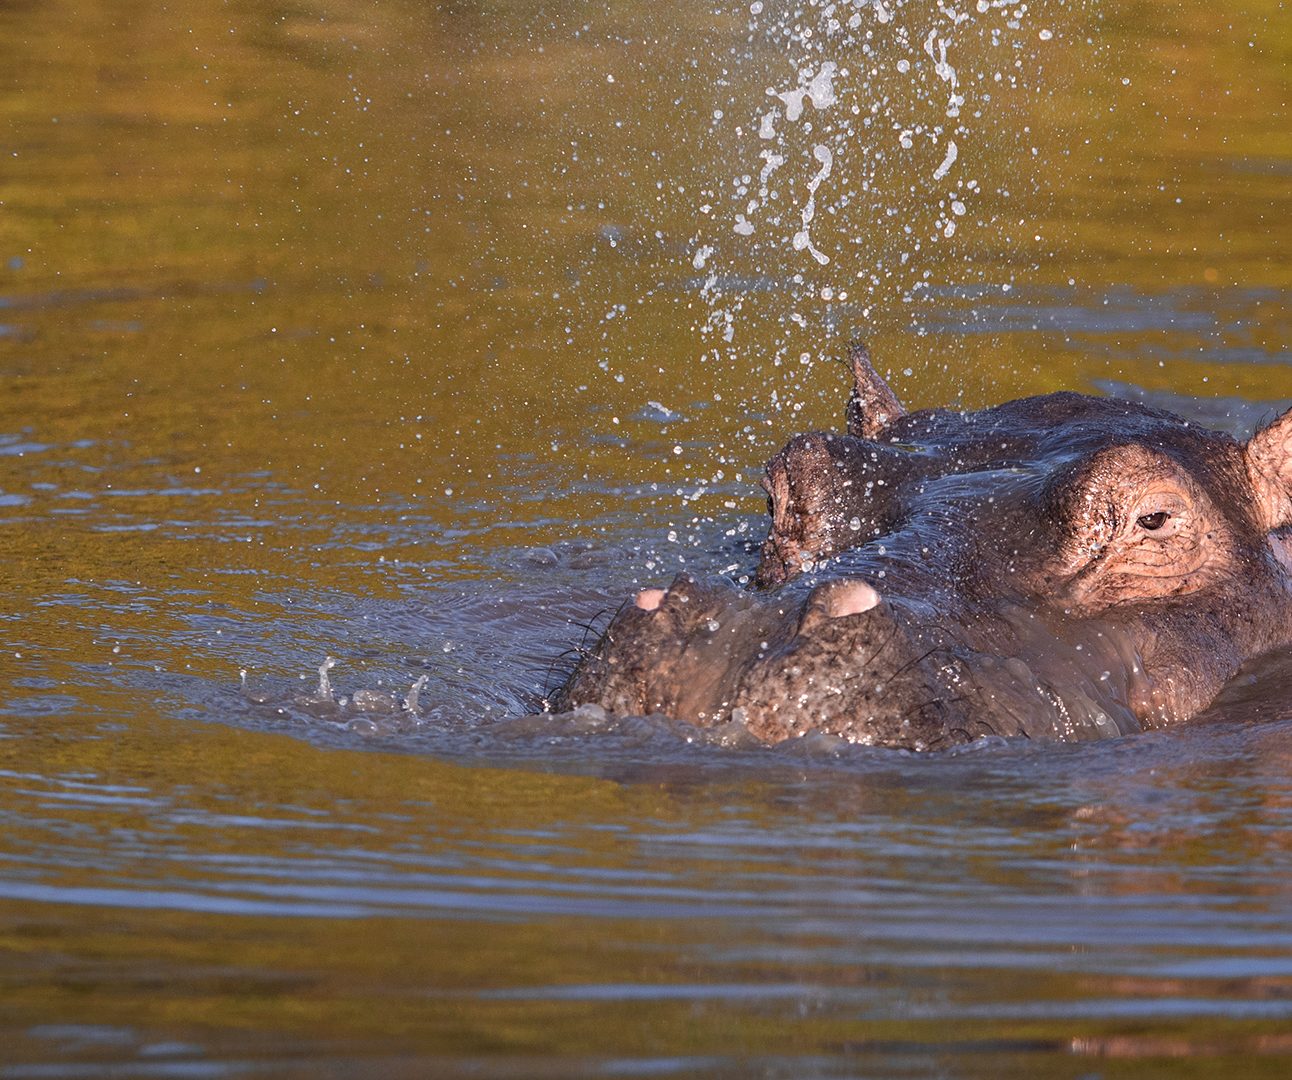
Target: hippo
{"x": 1061, "y": 567}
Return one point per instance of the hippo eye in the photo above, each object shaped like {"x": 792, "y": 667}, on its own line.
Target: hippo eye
{"x": 1153, "y": 522}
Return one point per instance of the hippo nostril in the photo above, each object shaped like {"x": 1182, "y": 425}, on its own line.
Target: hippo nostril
{"x": 850, "y": 598}
{"x": 650, "y": 599}
{"x": 776, "y": 483}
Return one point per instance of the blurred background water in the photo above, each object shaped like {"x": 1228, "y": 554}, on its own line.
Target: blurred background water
{"x": 415, "y": 336}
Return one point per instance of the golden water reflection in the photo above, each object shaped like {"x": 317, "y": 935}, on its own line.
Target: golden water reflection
{"x": 306, "y": 349}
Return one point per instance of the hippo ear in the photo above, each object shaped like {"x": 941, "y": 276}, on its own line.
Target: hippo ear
{"x": 872, "y": 405}
{"x": 1269, "y": 465}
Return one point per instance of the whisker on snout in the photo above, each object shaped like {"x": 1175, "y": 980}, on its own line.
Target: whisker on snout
{"x": 561, "y": 668}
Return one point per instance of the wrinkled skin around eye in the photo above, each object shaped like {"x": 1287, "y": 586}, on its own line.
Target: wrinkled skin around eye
{"x": 1139, "y": 528}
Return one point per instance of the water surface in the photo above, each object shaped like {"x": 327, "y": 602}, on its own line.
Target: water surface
{"x": 375, "y": 332}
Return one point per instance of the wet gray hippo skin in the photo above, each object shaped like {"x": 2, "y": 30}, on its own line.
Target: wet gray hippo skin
{"x": 1061, "y": 567}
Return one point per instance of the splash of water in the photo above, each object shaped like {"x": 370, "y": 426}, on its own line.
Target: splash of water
{"x": 368, "y": 711}
{"x": 325, "y": 684}
{"x": 873, "y": 149}
{"x": 410, "y": 702}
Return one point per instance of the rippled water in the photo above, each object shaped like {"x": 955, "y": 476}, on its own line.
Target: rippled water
{"x": 374, "y": 332}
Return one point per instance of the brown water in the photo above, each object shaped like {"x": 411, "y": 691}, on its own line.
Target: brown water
{"x": 375, "y": 331}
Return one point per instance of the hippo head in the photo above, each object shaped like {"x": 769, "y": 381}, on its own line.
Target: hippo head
{"x": 1061, "y": 566}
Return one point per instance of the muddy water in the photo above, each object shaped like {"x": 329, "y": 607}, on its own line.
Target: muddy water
{"x": 374, "y": 332}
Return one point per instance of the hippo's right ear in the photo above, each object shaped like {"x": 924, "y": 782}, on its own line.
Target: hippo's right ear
{"x": 1269, "y": 466}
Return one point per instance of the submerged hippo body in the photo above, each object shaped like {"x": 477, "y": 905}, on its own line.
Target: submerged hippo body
{"x": 1057, "y": 567}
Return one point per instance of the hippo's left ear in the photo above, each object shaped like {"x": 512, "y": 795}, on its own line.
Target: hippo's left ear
{"x": 1269, "y": 465}
{"x": 872, "y": 405}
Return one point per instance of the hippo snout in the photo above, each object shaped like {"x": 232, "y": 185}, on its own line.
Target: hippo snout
{"x": 707, "y": 651}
